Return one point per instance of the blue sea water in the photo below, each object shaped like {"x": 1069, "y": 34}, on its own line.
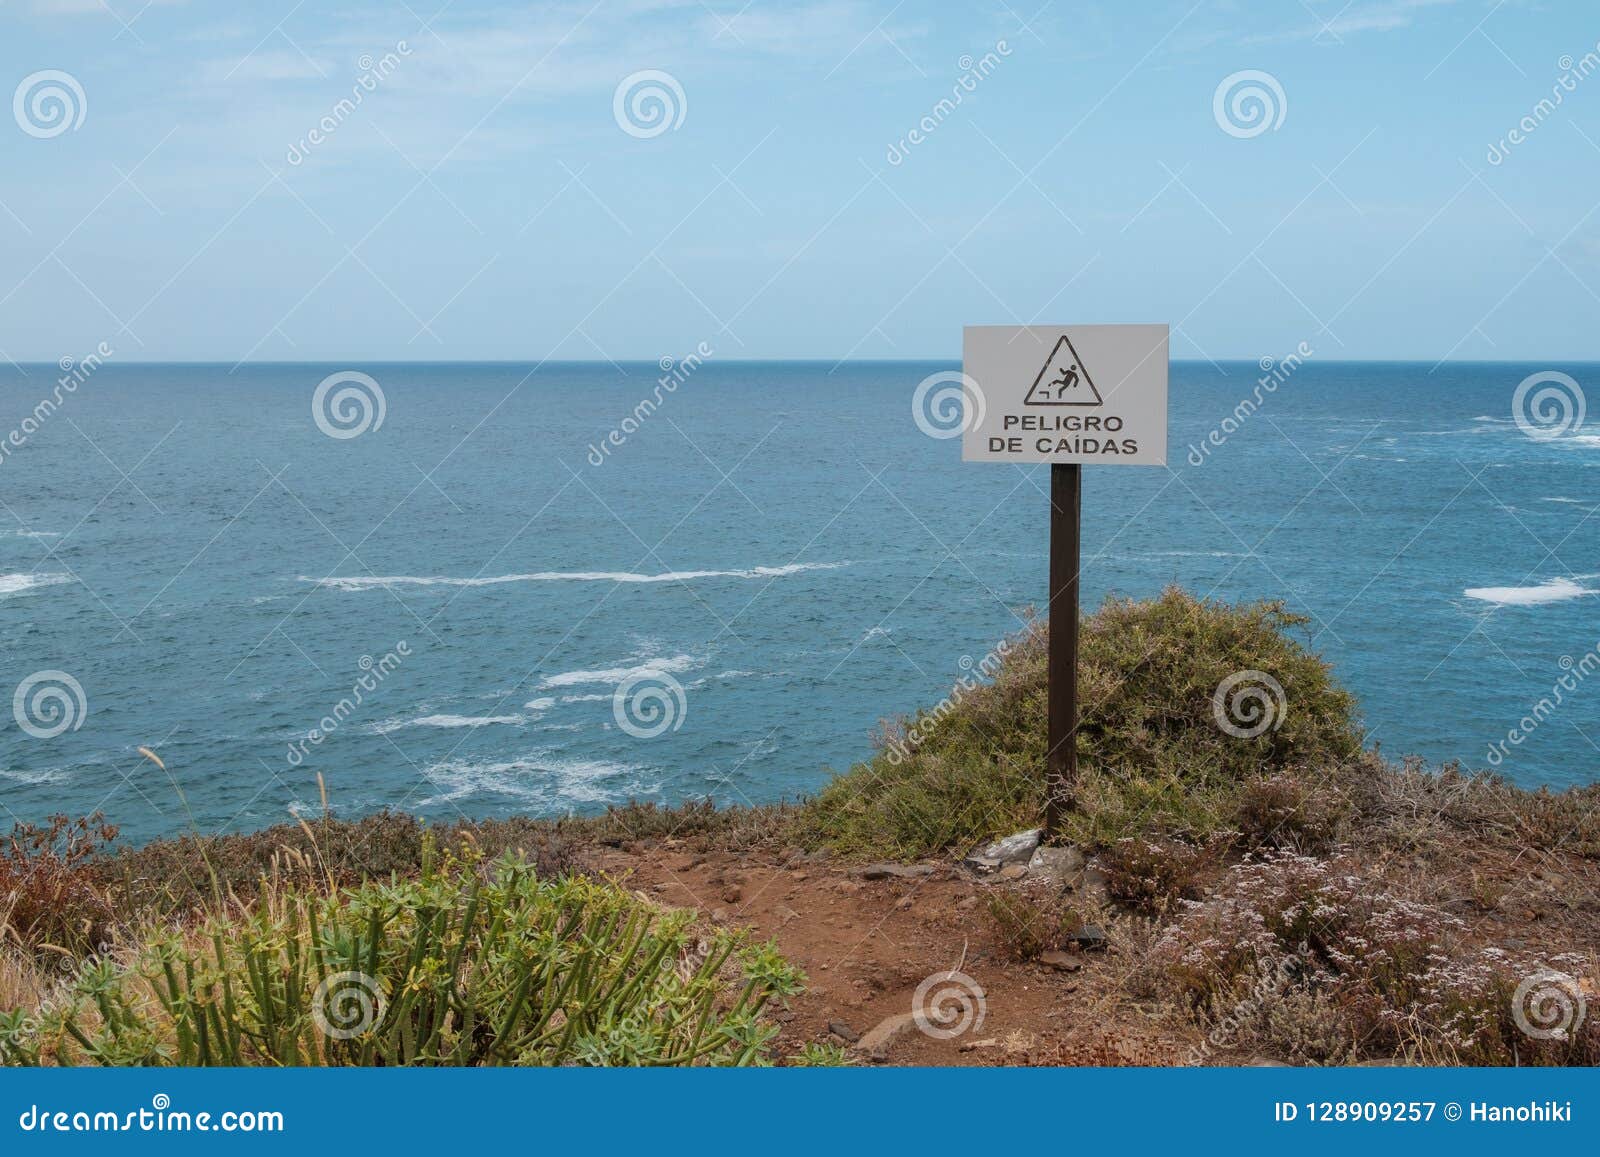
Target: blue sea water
{"x": 780, "y": 540}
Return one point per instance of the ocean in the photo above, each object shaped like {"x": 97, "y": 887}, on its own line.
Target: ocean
{"x": 436, "y": 613}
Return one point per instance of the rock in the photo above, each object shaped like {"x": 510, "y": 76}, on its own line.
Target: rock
{"x": 967, "y": 904}
{"x": 1013, "y": 871}
{"x": 784, "y": 913}
{"x": 903, "y": 903}
{"x": 799, "y": 875}
{"x": 1091, "y": 882}
{"x": 719, "y": 915}
{"x": 1057, "y": 865}
{"x": 847, "y": 887}
{"x": 1267, "y": 1063}
{"x": 1013, "y": 849}
{"x": 896, "y": 871}
{"x": 985, "y": 1043}
{"x": 1061, "y": 961}
{"x": 732, "y": 894}
{"x": 876, "y": 1040}
{"x": 1090, "y": 938}
{"x": 843, "y": 1031}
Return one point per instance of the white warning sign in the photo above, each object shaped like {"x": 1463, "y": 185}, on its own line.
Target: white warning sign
{"x": 1077, "y": 393}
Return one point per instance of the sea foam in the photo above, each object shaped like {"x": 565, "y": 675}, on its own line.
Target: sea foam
{"x": 1554, "y": 590}
{"x": 370, "y": 582}
{"x": 16, "y": 584}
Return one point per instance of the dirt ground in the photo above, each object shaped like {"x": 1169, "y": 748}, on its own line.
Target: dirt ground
{"x": 867, "y": 945}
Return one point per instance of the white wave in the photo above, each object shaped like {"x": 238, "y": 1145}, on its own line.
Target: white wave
{"x": 369, "y": 582}
{"x": 448, "y": 721}
{"x": 1572, "y": 501}
{"x": 588, "y": 698}
{"x": 30, "y": 534}
{"x": 16, "y": 584}
{"x": 48, "y": 775}
{"x": 540, "y": 778}
{"x": 541, "y": 704}
{"x": 664, "y": 666}
{"x": 1554, "y": 590}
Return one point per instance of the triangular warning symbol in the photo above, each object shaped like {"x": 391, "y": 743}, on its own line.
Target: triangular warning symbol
{"x": 1064, "y": 380}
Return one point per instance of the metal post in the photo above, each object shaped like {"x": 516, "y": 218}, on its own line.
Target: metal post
{"x": 1061, "y": 763}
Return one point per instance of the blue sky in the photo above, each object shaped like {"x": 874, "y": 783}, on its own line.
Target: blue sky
{"x": 485, "y": 201}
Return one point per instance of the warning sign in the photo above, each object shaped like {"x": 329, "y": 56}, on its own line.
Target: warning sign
{"x": 1063, "y": 381}
{"x": 1077, "y": 393}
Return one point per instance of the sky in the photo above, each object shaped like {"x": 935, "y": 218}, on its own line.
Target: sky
{"x": 796, "y": 180}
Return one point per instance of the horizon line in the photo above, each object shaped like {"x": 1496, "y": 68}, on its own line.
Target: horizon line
{"x": 920, "y": 359}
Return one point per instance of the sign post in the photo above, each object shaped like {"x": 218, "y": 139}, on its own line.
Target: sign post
{"x": 1066, "y": 395}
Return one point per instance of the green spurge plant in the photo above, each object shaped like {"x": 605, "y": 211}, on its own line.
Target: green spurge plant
{"x": 460, "y": 967}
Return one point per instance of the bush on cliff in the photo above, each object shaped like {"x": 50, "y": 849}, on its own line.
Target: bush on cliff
{"x": 1188, "y": 706}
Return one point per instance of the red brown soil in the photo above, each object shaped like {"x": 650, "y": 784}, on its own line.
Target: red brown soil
{"x": 866, "y": 946}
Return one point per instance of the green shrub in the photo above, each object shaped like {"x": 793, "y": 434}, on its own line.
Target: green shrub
{"x": 1151, "y": 753}
{"x": 456, "y": 968}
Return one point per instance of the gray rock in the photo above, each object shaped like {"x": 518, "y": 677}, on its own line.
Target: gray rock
{"x": 896, "y": 871}
{"x": 843, "y": 1031}
{"x": 1058, "y": 866}
{"x": 1091, "y": 884}
{"x": 1013, "y": 849}
{"x": 1090, "y": 937}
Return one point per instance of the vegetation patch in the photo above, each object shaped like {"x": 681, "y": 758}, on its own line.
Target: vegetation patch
{"x": 1152, "y": 754}
{"x": 457, "y": 967}
{"x": 1300, "y": 958}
